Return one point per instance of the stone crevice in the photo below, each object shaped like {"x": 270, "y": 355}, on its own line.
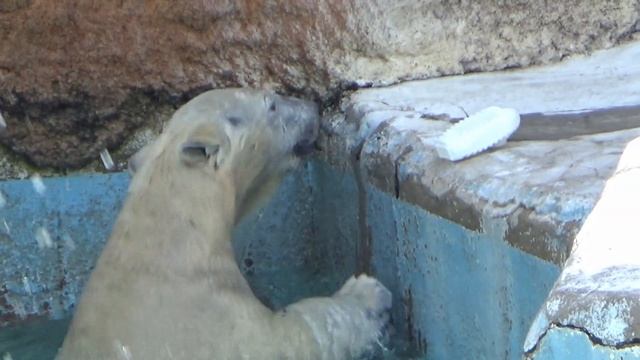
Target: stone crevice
{"x": 530, "y": 353}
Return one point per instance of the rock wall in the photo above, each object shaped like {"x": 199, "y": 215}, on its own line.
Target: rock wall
{"x": 77, "y": 76}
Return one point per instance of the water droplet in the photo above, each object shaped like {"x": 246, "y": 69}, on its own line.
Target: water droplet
{"x": 26, "y": 284}
{"x": 3, "y": 200}
{"x": 123, "y": 351}
{"x": 43, "y": 238}
{"x": 168, "y": 351}
{"x": 68, "y": 242}
{"x": 19, "y": 310}
{"x": 22, "y": 174}
{"x": 6, "y": 226}
{"x": 3, "y": 124}
{"x": 106, "y": 159}
{"x": 37, "y": 183}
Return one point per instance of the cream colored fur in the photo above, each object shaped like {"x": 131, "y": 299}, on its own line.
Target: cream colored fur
{"x": 166, "y": 285}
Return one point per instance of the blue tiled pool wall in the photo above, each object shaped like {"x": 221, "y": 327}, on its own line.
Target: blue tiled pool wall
{"x": 457, "y": 293}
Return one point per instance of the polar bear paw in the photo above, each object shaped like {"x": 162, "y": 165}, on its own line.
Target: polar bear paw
{"x": 375, "y": 301}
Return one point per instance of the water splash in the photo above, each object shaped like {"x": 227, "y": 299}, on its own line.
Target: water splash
{"x": 166, "y": 347}
{"x": 6, "y": 356}
{"x": 6, "y": 226}
{"x": 37, "y": 183}
{"x": 26, "y": 284}
{"x": 68, "y": 242}
{"x": 18, "y": 309}
{"x": 123, "y": 351}
{"x": 107, "y": 161}
{"x": 43, "y": 238}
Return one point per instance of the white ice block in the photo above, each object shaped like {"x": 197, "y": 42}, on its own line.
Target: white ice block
{"x": 480, "y": 131}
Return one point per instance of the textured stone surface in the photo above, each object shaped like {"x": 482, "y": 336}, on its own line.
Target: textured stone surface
{"x": 578, "y": 96}
{"x": 598, "y": 290}
{"x": 568, "y": 344}
{"x": 536, "y": 192}
{"x": 79, "y": 76}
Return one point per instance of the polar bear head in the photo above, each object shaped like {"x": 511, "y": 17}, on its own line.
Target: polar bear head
{"x": 247, "y": 139}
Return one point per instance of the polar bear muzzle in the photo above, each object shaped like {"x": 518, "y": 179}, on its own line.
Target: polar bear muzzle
{"x": 296, "y": 113}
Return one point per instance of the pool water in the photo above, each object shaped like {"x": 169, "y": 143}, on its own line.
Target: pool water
{"x": 40, "y": 340}
{"x": 37, "y": 340}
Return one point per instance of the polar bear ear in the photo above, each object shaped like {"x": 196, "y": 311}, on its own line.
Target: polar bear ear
{"x": 205, "y": 145}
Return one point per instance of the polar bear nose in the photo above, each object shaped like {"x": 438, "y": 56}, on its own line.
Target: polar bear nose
{"x": 307, "y": 143}
{"x": 304, "y": 147}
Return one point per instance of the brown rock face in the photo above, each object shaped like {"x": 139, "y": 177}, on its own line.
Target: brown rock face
{"x": 77, "y": 76}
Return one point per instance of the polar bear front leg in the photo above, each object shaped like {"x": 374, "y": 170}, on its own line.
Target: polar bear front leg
{"x": 348, "y": 324}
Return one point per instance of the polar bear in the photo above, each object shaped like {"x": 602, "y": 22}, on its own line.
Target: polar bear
{"x": 166, "y": 285}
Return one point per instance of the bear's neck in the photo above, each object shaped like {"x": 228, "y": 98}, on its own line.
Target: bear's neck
{"x": 178, "y": 228}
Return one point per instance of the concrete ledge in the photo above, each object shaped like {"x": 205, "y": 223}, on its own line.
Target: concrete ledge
{"x": 598, "y": 292}
{"x": 531, "y": 195}
{"x": 536, "y": 192}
